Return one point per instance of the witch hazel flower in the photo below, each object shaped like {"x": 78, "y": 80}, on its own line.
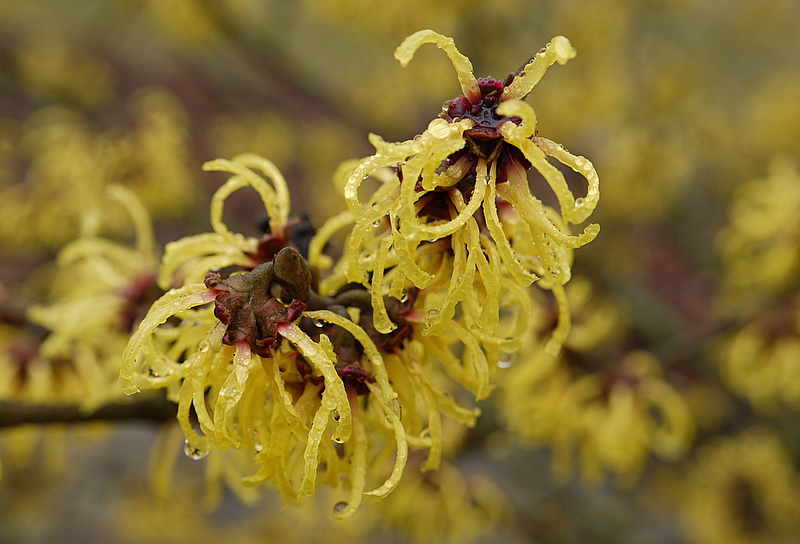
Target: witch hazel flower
{"x": 461, "y": 189}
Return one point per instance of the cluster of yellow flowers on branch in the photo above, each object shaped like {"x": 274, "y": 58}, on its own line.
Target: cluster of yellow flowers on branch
{"x": 335, "y": 380}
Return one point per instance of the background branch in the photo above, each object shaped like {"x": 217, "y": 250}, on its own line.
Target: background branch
{"x": 156, "y": 409}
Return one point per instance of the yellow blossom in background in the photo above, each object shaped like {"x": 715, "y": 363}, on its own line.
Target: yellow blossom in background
{"x": 760, "y": 247}
{"x": 636, "y": 154}
{"x": 447, "y": 506}
{"x": 96, "y": 297}
{"x": 67, "y": 164}
{"x": 29, "y": 379}
{"x": 265, "y": 134}
{"x": 188, "y": 22}
{"x": 743, "y": 489}
{"x": 612, "y": 417}
{"x": 761, "y": 360}
{"x": 54, "y": 67}
{"x": 773, "y": 116}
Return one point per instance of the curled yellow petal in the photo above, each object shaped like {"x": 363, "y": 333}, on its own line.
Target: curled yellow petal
{"x": 322, "y": 361}
{"x": 558, "y": 50}
{"x": 405, "y": 52}
{"x": 276, "y": 200}
{"x": 169, "y": 304}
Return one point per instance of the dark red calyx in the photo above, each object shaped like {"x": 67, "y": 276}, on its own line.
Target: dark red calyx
{"x": 253, "y": 304}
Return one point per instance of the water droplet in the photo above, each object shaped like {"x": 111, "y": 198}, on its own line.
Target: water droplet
{"x": 506, "y": 360}
{"x": 338, "y": 439}
{"x": 377, "y": 223}
{"x": 439, "y": 128}
{"x": 404, "y": 296}
{"x": 395, "y": 406}
{"x": 193, "y": 453}
{"x": 336, "y": 416}
{"x": 579, "y": 202}
{"x": 431, "y": 316}
{"x": 318, "y": 323}
{"x": 339, "y": 507}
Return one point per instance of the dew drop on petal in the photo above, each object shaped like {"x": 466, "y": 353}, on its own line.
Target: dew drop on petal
{"x": 404, "y": 296}
{"x": 336, "y": 416}
{"x": 506, "y": 360}
{"x": 439, "y": 128}
{"x": 318, "y": 323}
{"x": 431, "y": 316}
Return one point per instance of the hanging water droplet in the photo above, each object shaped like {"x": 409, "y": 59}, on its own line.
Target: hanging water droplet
{"x": 339, "y": 508}
{"x": 318, "y": 323}
{"x": 338, "y": 439}
{"x": 404, "y": 296}
{"x": 336, "y": 416}
{"x": 377, "y": 223}
{"x": 193, "y": 453}
{"x": 579, "y": 202}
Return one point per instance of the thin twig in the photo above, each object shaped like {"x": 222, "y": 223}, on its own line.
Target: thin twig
{"x": 156, "y": 409}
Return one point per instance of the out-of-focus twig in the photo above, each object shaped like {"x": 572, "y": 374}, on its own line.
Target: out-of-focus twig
{"x": 156, "y": 409}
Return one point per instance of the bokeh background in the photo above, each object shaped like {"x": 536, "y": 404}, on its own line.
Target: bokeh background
{"x": 690, "y": 112}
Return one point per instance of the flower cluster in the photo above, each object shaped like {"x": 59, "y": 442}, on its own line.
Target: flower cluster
{"x": 454, "y": 216}
{"x": 323, "y": 381}
{"x": 261, "y": 361}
